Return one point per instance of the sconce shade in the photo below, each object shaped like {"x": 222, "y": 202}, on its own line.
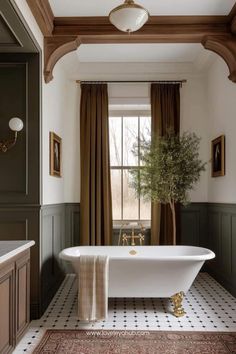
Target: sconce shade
{"x": 129, "y": 17}
{"x": 16, "y": 124}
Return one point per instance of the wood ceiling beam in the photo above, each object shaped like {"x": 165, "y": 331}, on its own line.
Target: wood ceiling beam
{"x": 164, "y": 28}
{"x": 43, "y": 14}
{"x": 153, "y": 20}
{"x": 159, "y": 29}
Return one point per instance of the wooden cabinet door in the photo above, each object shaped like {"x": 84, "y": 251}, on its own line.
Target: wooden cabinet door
{"x": 7, "y": 311}
{"x": 22, "y": 294}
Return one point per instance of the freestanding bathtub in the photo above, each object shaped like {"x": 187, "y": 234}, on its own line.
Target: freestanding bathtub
{"x": 146, "y": 271}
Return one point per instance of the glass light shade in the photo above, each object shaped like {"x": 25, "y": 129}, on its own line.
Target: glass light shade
{"x": 128, "y": 17}
{"x": 16, "y": 124}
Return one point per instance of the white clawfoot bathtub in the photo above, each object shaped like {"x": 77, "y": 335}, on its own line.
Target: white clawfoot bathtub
{"x": 146, "y": 271}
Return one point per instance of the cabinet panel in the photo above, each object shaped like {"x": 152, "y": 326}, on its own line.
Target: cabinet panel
{"x": 7, "y": 294}
{"x": 22, "y": 294}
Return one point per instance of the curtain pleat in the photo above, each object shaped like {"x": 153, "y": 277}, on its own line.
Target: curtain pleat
{"x": 96, "y": 207}
{"x": 165, "y": 111}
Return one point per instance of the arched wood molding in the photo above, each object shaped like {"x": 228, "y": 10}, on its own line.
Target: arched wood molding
{"x": 55, "y": 47}
{"x": 225, "y": 47}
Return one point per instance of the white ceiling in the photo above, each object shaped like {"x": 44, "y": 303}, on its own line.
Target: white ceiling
{"x": 136, "y": 62}
{"x": 155, "y": 7}
{"x": 158, "y": 52}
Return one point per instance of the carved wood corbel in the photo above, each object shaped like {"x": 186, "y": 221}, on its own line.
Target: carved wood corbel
{"x": 55, "y": 47}
{"x": 233, "y": 25}
{"x": 225, "y": 47}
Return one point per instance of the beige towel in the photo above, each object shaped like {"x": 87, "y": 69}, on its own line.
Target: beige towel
{"x": 93, "y": 288}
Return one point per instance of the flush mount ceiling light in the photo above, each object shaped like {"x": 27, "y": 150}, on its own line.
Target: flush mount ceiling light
{"x": 128, "y": 17}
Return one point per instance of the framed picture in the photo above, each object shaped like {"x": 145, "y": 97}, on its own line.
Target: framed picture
{"x": 218, "y": 156}
{"x": 55, "y": 155}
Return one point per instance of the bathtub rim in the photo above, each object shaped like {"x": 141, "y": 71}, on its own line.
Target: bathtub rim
{"x": 208, "y": 254}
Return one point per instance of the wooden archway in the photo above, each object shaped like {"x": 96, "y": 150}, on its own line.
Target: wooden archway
{"x": 65, "y": 34}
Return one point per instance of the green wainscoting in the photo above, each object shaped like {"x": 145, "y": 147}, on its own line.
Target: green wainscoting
{"x": 59, "y": 230}
{"x": 194, "y": 224}
{"x": 213, "y": 226}
{"x": 52, "y": 241}
{"x": 221, "y": 238}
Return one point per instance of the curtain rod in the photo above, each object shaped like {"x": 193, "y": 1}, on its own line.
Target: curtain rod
{"x": 130, "y": 82}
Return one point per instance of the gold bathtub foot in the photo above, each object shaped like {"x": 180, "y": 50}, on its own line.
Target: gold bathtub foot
{"x": 177, "y": 302}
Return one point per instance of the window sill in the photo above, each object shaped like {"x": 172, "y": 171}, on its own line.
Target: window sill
{"x": 117, "y": 225}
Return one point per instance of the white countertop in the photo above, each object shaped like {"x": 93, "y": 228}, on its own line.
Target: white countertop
{"x": 9, "y": 249}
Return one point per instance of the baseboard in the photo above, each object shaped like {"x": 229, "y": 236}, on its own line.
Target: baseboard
{"x": 220, "y": 278}
{"x": 34, "y": 311}
{"x": 51, "y": 291}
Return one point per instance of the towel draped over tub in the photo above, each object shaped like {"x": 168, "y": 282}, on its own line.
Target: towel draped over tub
{"x": 93, "y": 288}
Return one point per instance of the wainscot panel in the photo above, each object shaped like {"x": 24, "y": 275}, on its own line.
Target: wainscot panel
{"x": 222, "y": 240}
{"x": 72, "y": 211}
{"x": 52, "y": 242}
{"x": 194, "y": 224}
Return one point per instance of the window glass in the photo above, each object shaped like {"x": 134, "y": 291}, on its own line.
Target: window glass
{"x": 124, "y": 132}
{"x": 116, "y": 193}
{"x": 115, "y": 140}
{"x": 130, "y": 202}
{"x": 130, "y": 137}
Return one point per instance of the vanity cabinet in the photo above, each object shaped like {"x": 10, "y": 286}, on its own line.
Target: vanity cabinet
{"x": 14, "y": 300}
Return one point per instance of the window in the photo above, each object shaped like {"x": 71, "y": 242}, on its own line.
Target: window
{"x": 125, "y": 128}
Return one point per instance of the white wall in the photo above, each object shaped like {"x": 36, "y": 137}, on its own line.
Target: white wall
{"x": 60, "y": 115}
{"x": 221, "y": 94}
{"x": 72, "y": 144}
{"x": 193, "y": 118}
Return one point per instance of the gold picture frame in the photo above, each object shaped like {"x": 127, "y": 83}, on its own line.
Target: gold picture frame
{"x": 55, "y": 155}
{"x": 218, "y": 156}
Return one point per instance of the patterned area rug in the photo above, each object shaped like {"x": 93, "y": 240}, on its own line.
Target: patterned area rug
{"x": 135, "y": 342}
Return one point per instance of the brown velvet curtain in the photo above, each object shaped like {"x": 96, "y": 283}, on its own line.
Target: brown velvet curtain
{"x": 165, "y": 111}
{"x": 96, "y": 210}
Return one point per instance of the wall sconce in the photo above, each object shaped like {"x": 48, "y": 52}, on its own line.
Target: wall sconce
{"x": 16, "y": 125}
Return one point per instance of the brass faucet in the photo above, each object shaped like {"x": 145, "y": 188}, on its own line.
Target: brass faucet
{"x": 124, "y": 238}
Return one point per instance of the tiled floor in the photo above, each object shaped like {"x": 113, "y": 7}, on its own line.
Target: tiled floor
{"x": 209, "y": 307}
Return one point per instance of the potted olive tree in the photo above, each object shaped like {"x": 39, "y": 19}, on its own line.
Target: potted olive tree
{"x": 170, "y": 166}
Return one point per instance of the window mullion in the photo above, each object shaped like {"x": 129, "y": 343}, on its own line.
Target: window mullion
{"x": 122, "y": 173}
{"x": 139, "y": 162}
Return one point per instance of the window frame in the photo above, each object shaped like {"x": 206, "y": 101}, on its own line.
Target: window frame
{"x": 121, "y": 113}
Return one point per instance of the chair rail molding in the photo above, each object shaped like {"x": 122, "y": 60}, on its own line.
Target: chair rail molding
{"x": 65, "y": 34}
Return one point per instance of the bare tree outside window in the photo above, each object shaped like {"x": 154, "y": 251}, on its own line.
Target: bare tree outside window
{"x": 125, "y": 131}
